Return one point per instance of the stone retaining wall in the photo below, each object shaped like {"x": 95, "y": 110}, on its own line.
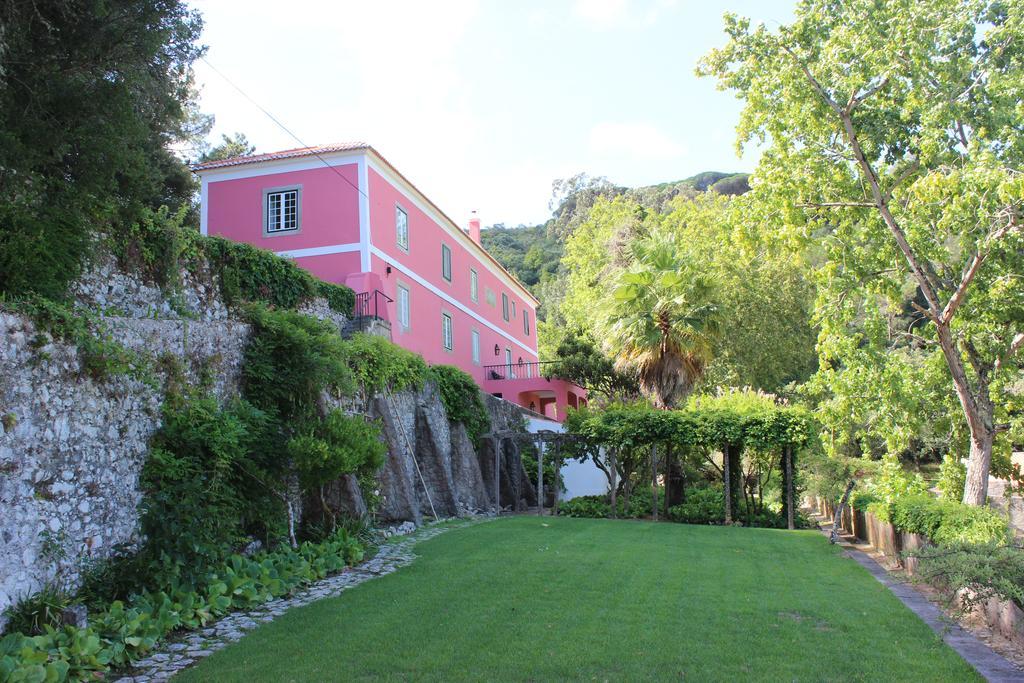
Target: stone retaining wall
{"x": 72, "y": 447}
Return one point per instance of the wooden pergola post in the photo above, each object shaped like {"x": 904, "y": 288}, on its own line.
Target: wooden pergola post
{"x": 654, "y": 481}
{"x": 615, "y": 481}
{"x": 787, "y": 473}
{"x": 540, "y": 476}
{"x": 728, "y": 484}
{"x": 558, "y": 473}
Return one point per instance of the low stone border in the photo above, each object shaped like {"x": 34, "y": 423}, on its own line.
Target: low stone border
{"x": 174, "y": 655}
{"x": 986, "y": 661}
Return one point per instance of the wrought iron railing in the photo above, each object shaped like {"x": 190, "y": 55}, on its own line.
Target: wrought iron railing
{"x": 370, "y": 306}
{"x": 520, "y": 370}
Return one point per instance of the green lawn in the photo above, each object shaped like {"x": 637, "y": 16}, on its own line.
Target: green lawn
{"x": 575, "y": 599}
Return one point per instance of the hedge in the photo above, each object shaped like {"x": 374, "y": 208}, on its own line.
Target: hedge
{"x": 943, "y": 521}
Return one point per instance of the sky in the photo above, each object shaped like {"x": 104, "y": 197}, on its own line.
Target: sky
{"x": 483, "y": 103}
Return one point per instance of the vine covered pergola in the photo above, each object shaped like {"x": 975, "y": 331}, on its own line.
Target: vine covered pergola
{"x": 777, "y": 433}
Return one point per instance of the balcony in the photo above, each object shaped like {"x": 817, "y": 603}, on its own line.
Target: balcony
{"x": 528, "y": 385}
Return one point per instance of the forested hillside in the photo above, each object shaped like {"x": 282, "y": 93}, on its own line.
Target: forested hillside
{"x": 533, "y": 252}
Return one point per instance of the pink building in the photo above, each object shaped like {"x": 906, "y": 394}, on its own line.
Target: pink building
{"x": 348, "y": 216}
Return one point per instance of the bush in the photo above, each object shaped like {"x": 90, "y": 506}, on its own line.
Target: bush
{"x": 380, "y": 365}
{"x": 585, "y": 506}
{"x": 952, "y": 477}
{"x": 125, "y": 631}
{"x": 340, "y": 444}
{"x": 702, "y": 506}
{"x": 975, "y": 572}
{"x": 947, "y": 522}
{"x": 33, "y": 613}
{"x": 249, "y": 274}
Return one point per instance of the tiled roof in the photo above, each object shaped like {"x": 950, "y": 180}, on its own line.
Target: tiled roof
{"x": 285, "y": 154}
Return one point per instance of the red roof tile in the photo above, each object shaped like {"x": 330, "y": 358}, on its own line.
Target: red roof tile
{"x": 285, "y": 154}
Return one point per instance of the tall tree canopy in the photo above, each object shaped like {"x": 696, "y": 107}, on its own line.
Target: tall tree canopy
{"x": 894, "y": 135}
{"x": 92, "y": 95}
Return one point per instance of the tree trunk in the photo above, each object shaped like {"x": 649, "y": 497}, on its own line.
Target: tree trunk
{"x": 615, "y": 472}
{"x": 978, "y": 464}
{"x": 834, "y": 536}
{"x": 787, "y": 485}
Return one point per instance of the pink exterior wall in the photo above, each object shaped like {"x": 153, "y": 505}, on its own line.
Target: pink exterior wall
{"x": 424, "y": 259}
{"x": 330, "y": 208}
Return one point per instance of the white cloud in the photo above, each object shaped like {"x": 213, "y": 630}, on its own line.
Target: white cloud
{"x": 633, "y": 139}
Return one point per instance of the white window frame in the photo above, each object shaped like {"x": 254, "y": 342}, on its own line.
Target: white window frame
{"x": 526, "y": 322}
{"x": 509, "y": 368}
{"x": 403, "y": 306}
{"x": 474, "y": 338}
{"x": 474, "y": 285}
{"x": 513, "y": 309}
{"x": 401, "y": 235}
{"x": 268, "y": 192}
{"x": 447, "y": 333}
{"x": 446, "y": 262}
{"x": 504, "y": 306}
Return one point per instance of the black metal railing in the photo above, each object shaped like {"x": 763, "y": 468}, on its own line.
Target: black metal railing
{"x": 520, "y": 370}
{"x": 370, "y": 306}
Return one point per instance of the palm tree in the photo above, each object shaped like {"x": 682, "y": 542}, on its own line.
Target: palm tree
{"x": 661, "y": 320}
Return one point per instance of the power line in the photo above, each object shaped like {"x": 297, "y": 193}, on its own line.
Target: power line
{"x": 282, "y": 126}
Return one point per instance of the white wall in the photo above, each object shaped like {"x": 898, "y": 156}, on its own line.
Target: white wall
{"x": 579, "y": 478}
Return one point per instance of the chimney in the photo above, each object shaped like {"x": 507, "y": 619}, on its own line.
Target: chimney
{"x": 474, "y": 228}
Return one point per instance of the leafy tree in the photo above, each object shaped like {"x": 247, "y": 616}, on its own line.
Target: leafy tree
{"x": 91, "y": 96}
{"x": 229, "y": 147}
{"x": 580, "y": 360}
{"x": 894, "y": 135}
{"x": 661, "y": 320}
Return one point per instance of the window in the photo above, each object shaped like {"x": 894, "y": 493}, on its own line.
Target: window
{"x": 402, "y": 228}
{"x": 403, "y": 307}
{"x": 281, "y": 210}
{"x": 513, "y": 309}
{"x": 446, "y": 262}
{"x": 475, "y": 339}
{"x": 474, "y": 285}
{"x": 446, "y": 330}
{"x": 526, "y": 322}
{"x": 489, "y": 293}
{"x": 504, "y": 306}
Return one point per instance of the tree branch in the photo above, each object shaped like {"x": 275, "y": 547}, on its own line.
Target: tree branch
{"x": 829, "y": 205}
{"x": 1015, "y": 345}
{"x": 856, "y": 100}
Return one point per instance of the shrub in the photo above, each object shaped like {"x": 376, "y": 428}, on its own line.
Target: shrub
{"x": 249, "y": 274}
{"x": 585, "y": 506}
{"x": 702, "y": 506}
{"x": 947, "y": 522}
{"x": 379, "y": 365}
{"x": 975, "y": 572}
{"x": 31, "y": 614}
{"x": 461, "y": 398}
{"x": 952, "y": 477}
{"x": 340, "y": 444}
{"x": 125, "y": 631}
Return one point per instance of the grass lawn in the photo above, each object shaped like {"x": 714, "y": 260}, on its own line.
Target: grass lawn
{"x": 577, "y": 599}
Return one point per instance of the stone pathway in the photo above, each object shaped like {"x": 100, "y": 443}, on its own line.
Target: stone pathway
{"x": 176, "y": 654}
{"x": 990, "y": 664}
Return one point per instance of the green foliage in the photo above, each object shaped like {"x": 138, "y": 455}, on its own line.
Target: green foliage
{"x": 952, "y": 477}
{"x": 580, "y": 361}
{"x": 229, "y": 147}
{"x": 204, "y": 486}
{"x": 947, "y": 522}
{"x": 93, "y": 97}
{"x": 891, "y": 483}
{"x": 596, "y": 507}
{"x": 123, "y": 632}
{"x": 291, "y": 359}
{"x": 461, "y": 398}
{"x": 249, "y": 274}
{"x": 379, "y": 365}
{"x": 31, "y": 614}
{"x": 99, "y": 355}
{"x": 974, "y": 573}
{"x": 900, "y": 177}
{"x": 701, "y": 506}
{"x": 339, "y": 444}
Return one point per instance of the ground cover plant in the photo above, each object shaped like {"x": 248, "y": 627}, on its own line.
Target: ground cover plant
{"x": 531, "y": 598}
